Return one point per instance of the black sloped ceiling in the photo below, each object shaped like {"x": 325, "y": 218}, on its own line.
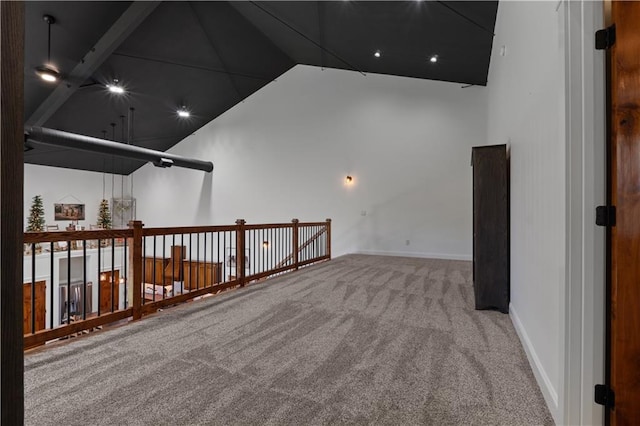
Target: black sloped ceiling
{"x": 209, "y": 56}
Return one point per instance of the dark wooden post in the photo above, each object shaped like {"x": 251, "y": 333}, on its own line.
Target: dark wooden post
{"x": 240, "y": 260}
{"x": 294, "y": 244}
{"x": 135, "y": 262}
{"x": 329, "y": 238}
{"x": 11, "y": 211}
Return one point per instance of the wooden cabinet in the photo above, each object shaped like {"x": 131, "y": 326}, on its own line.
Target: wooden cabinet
{"x": 163, "y": 271}
{"x": 174, "y": 269}
{"x": 201, "y": 274}
{"x": 154, "y": 270}
{"x": 491, "y": 227}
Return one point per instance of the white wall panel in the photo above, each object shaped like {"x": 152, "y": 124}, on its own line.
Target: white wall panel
{"x": 285, "y": 152}
{"x": 526, "y": 110}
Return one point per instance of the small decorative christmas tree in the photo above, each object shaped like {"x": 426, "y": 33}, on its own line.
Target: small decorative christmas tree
{"x": 36, "y": 215}
{"x": 104, "y": 215}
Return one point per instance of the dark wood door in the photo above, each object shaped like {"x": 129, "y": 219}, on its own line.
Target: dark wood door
{"x": 109, "y": 299}
{"x": 624, "y": 181}
{"x": 29, "y": 305}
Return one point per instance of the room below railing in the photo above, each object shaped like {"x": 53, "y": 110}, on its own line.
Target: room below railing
{"x": 77, "y": 281}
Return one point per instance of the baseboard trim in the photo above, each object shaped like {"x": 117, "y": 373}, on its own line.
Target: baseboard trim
{"x": 548, "y": 391}
{"x": 414, "y": 254}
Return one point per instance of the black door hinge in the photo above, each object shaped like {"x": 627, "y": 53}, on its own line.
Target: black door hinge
{"x": 606, "y": 38}
{"x": 605, "y": 216}
{"x": 605, "y": 396}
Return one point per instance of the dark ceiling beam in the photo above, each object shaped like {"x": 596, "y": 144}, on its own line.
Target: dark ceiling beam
{"x": 443, "y": 4}
{"x": 195, "y": 67}
{"x": 306, "y": 37}
{"x": 121, "y": 29}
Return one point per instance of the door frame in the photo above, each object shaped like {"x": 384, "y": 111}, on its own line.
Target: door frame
{"x": 582, "y": 358}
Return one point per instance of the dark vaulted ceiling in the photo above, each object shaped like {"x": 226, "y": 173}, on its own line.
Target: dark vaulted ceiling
{"x": 208, "y": 56}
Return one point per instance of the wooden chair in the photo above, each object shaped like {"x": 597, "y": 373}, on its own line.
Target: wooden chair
{"x": 175, "y": 269}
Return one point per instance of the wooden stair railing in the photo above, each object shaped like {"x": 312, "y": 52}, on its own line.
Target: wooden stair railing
{"x": 303, "y": 246}
{"x": 137, "y": 270}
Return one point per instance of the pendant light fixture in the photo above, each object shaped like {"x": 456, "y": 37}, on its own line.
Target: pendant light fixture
{"x": 48, "y": 72}
{"x": 104, "y": 166}
{"x": 113, "y": 176}
{"x": 121, "y": 162}
{"x": 130, "y": 142}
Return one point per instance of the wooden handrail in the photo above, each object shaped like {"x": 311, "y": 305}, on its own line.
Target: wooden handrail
{"x": 132, "y": 267}
{"x": 313, "y": 223}
{"x": 99, "y": 234}
{"x": 305, "y": 244}
{"x": 282, "y": 225}
{"x": 268, "y": 226}
{"x": 149, "y": 232}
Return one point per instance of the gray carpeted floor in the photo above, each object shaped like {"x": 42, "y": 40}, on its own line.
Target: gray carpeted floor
{"x": 357, "y": 340}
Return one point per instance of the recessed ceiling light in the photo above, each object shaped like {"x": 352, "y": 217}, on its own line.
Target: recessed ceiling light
{"x": 377, "y": 54}
{"x": 184, "y": 113}
{"x": 115, "y": 87}
{"x": 48, "y": 73}
{"x": 434, "y": 59}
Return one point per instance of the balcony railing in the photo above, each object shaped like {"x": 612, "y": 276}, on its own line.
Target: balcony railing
{"x": 77, "y": 281}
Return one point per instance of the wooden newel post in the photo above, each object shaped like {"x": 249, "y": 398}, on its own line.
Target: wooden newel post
{"x": 240, "y": 260}
{"x": 329, "y": 238}
{"x": 295, "y": 244}
{"x": 134, "y": 274}
{"x": 11, "y": 214}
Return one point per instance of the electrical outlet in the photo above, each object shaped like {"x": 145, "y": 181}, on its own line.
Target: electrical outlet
{"x": 363, "y": 213}
{"x": 407, "y": 242}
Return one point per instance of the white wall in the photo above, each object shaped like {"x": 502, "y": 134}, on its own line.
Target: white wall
{"x": 526, "y": 110}
{"x": 285, "y": 152}
{"x": 67, "y": 186}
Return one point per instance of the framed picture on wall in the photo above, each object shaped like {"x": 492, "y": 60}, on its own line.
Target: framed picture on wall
{"x": 68, "y": 212}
